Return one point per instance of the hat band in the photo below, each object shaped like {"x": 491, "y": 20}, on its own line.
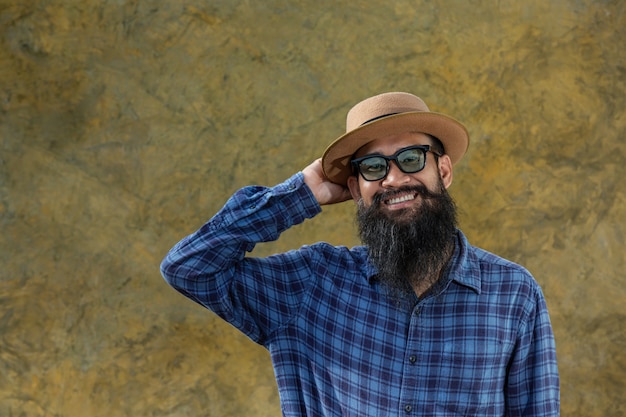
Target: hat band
{"x": 377, "y": 117}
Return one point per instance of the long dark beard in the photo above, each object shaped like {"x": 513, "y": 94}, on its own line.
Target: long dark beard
{"x": 409, "y": 249}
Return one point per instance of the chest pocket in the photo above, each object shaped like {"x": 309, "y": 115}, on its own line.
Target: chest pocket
{"x": 472, "y": 375}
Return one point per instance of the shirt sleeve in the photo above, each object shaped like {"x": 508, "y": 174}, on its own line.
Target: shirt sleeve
{"x": 256, "y": 295}
{"x": 533, "y": 378}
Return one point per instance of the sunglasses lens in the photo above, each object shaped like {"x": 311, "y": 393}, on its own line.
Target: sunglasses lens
{"x": 373, "y": 168}
{"x": 376, "y": 167}
{"x": 412, "y": 160}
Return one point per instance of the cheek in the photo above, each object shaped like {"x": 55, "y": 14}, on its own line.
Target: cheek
{"x": 367, "y": 190}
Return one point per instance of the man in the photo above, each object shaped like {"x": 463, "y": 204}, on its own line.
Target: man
{"x": 414, "y": 322}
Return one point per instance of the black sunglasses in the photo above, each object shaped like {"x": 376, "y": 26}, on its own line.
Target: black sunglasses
{"x": 410, "y": 160}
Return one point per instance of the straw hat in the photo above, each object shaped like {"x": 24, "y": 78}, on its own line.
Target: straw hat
{"x": 388, "y": 114}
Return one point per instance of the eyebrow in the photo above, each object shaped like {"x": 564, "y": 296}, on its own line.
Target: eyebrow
{"x": 435, "y": 144}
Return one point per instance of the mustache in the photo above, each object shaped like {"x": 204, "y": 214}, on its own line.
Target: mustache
{"x": 418, "y": 189}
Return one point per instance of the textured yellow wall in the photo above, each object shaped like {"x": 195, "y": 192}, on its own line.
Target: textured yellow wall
{"x": 124, "y": 125}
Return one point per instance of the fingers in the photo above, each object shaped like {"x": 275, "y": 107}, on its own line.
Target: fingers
{"x": 325, "y": 191}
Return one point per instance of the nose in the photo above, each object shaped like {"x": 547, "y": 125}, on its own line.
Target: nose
{"x": 395, "y": 176}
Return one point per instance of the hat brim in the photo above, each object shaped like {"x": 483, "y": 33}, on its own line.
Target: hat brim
{"x": 452, "y": 134}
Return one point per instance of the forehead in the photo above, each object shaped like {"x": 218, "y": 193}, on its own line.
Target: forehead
{"x": 390, "y": 144}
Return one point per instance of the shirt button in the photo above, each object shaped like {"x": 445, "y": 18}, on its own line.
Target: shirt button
{"x": 412, "y": 358}
{"x": 408, "y": 408}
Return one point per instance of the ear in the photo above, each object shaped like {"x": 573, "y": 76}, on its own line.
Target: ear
{"x": 353, "y": 186}
{"x": 445, "y": 170}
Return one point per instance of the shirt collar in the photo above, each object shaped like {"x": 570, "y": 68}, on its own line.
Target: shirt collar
{"x": 463, "y": 268}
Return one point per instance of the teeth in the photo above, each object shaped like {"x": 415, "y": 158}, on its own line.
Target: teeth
{"x": 401, "y": 199}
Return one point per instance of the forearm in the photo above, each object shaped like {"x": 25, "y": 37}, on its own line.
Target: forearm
{"x": 196, "y": 265}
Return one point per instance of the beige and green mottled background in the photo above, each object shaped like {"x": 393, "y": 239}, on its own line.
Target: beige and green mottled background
{"x": 124, "y": 125}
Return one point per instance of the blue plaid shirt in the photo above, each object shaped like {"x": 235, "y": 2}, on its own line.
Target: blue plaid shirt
{"x": 480, "y": 345}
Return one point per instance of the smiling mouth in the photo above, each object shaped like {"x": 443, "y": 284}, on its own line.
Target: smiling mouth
{"x": 400, "y": 199}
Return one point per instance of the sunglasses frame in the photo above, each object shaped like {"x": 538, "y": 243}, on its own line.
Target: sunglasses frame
{"x": 424, "y": 148}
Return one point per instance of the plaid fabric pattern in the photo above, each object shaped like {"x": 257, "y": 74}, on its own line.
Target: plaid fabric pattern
{"x": 481, "y": 344}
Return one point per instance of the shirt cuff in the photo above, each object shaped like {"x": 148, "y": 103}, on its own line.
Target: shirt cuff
{"x": 298, "y": 191}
